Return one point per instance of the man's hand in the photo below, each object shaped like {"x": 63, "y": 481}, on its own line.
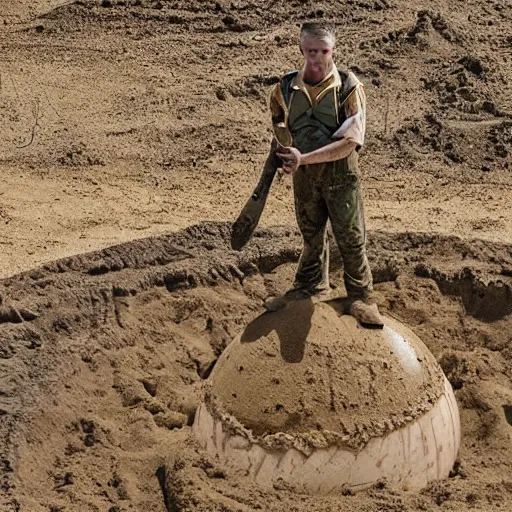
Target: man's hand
{"x": 291, "y": 157}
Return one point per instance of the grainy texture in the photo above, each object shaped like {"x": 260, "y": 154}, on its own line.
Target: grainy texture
{"x": 99, "y": 389}
{"x": 312, "y": 372}
{"x": 125, "y": 119}
{"x": 132, "y": 118}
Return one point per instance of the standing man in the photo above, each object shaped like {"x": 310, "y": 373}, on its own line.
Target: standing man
{"x": 318, "y": 117}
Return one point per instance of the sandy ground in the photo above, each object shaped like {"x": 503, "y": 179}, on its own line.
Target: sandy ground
{"x": 131, "y": 120}
{"x": 120, "y": 120}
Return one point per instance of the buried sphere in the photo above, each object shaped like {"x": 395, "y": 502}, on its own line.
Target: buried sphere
{"x": 307, "y": 397}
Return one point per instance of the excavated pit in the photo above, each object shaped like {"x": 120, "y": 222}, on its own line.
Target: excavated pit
{"x": 103, "y": 357}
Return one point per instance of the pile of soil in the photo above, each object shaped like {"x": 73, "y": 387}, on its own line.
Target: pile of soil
{"x": 311, "y": 369}
{"x": 103, "y": 358}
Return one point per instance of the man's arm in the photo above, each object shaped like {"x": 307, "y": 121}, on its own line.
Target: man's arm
{"x": 351, "y": 135}
{"x": 333, "y": 151}
{"x": 292, "y": 158}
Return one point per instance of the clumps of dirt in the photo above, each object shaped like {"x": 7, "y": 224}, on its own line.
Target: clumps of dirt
{"x": 483, "y": 298}
{"x": 420, "y": 132}
{"x": 172, "y": 485}
{"x": 432, "y": 133}
{"x": 459, "y": 141}
{"x": 78, "y": 155}
{"x": 10, "y": 313}
{"x": 158, "y": 17}
{"x": 466, "y": 92}
{"x": 419, "y": 36}
{"x": 489, "y": 418}
{"x": 232, "y": 24}
{"x": 459, "y": 369}
{"x": 98, "y": 392}
{"x": 204, "y": 16}
{"x": 467, "y": 86}
{"x": 148, "y": 17}
{"x": 256, "y": 86}
{"x": 467, "y": 117}
{"x": 500, "y": 137}
{"x": 473, "y": 65}
{"x": 428, "y": 21}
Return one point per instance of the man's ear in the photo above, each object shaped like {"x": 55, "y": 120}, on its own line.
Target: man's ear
{"x": 301, "y": 50}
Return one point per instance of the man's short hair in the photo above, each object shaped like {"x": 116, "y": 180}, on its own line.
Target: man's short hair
{"x": 318, "y": 31}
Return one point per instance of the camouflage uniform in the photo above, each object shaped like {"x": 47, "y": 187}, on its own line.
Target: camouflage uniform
{"x": 307, "y": 118}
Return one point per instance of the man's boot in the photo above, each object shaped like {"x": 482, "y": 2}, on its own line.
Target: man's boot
{"x": 316, "y": 295}
{"x": 366, "y": 314}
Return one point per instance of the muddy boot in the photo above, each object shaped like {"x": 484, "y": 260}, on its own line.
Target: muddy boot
{"x": 366, "y": 314}
{"x": 277, "y": 303}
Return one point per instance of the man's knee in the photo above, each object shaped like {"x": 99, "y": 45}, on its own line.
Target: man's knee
{"x": 311, "y": 224}
{"x": 352, "y": 244}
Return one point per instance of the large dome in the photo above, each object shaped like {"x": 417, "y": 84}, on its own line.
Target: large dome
{"x": 308, "y": 379}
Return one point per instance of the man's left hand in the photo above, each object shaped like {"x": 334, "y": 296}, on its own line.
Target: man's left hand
{"x": 291, "y": 157}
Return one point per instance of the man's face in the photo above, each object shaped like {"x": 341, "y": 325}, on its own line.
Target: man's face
{"x": 318, "y": 54}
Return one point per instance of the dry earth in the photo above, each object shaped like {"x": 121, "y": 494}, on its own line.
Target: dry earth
{"x": 125, "y": 119}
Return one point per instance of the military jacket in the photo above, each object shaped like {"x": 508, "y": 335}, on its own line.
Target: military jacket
{"x": 309, "y": 123}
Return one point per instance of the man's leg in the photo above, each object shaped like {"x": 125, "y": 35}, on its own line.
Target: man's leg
{"x": 347, "y": 219}
{"x": 311, "y": 214}
{"x": 312, "y": 276}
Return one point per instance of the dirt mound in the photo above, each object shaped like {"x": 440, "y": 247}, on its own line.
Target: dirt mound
{"x": 99, "y": 386}
{"x": 346, "y": 383}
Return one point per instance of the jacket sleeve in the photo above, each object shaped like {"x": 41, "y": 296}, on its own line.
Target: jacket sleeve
{"x": 354, "y": 126}
{"x": 279, "y": 114}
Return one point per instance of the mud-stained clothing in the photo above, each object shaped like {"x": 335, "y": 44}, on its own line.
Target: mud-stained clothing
{"x": 308, "y": 118}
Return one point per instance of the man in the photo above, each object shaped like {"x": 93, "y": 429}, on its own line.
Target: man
{"x": 318, "y": 117}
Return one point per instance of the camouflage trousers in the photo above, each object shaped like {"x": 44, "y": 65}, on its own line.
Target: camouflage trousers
{"x": 331, "y": 191}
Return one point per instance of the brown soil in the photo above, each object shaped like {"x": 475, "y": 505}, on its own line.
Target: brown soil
{"x": 125, "y": 119}
{"x": 309, "y": 368}
{"x": 99, "y": 390}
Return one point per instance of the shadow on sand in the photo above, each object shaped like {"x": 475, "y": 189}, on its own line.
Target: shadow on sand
{"x": 292, "y": 325}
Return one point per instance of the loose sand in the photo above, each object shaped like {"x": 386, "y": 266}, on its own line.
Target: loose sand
{"x": 99, "y": 391}
{"x": 125, "y": 119}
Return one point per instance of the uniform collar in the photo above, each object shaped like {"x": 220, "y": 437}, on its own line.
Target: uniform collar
{"x": 333, "y": 77}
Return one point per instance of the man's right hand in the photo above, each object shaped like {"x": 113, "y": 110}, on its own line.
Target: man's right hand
{"x": 291, "y": 158}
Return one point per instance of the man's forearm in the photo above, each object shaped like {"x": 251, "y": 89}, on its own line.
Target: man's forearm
{"x": 333, "y": 151}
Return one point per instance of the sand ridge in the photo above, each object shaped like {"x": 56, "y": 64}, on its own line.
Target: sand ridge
{"x": 101, "y": 387}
